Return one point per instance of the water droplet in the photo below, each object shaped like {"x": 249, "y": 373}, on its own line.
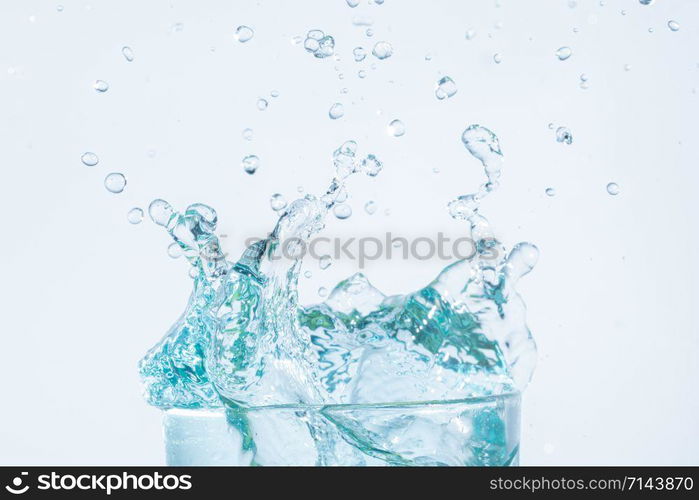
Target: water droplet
{"x": 325, "y": 261}
{"x": 336, "y": 111}
{"x": 470, "y": 34}
{"x": 382, "y": 50}
{"x": 551, "y": 125}
{"x": 262, "y": 104}
{"x": 627, "y": 67}
{"x": 100, "y": 86}
{"x": 370, "y": 207}
{"x": 115, "y": 182}
{"x": 135, "y": 215}
{"x": 563, "y": 134}
{"x": 362, "y": 73}
{"x": 193, "y": 272}
{"x": 371, "y": 165}
{"x": 322, "y": 291}
{"x": 564, "y": 53}
{"x": 646, "y": 2}
{"x": 308, "y": 274}
{"x": 497, "y": 58}
{"x": 463, "y": 207}
{"x": 127, "y": 53}
{"x": 89, "y": 159}
{"x": 445, "y": 88}
{"x": 250, "y": 164}
{"x": 160, "y": 212}
{"x": 319, "y": 44}
{"x": 613, "y": 188}
{"x": 244, "y": 34}
{"x": 396, "y": 128}
{"x": 59, "y": 8}
{"x": 342, "y": 211}
{"x": 174, "y": 250}
{"x": 277, "y": 202}
{"x": 369, "y": 32}
{"x": 359, "y": 54}
{"x": 247, "y": 134}
{"x": 353, "y": 3}
{"x": 550, "y": 192}
{"x": 274, "y": 93}
{"x": 673, "y": 25}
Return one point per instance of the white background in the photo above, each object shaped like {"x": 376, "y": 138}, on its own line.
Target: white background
{"x": 611, "y": 304}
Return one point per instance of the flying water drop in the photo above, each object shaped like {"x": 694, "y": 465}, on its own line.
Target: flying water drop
{"x": 174, "y": 250}
{"x": 89, "y": 159}
{"x": 135, "y": 215}
{"x": 127, "y": 53}
{"x": 244, "y": 34}
{"x": 342, "y": 211}
{"x": 445, "y": 88}
{"x": 248, "y": 134}
{"x": 262, "y": 104}
{"x": 277, "y": 202}
{"x": 115, "y": 182}
{"x": 563, "y": 134}
{"x": 470, "y": 34}
{"x": 336, "y": 111}
{"x": 353, "y": 3}
{"x": 646, "y": 2}
{"x": 160, "y": 212}
{"x": 370, "y": 207}
{"x": 550, "y": 192}
{"x": 250, "y": 164}
{"x": 371, "y": 165}
{"x": 673, "y": 25}
{"x": 613, "y": 188}
{"x": 319, "y": 44}
{"x": 325, "y": 261}
{"x": 382, "y": 50}
{"x": 359, "y": 54}
{"x": 100, "y": 86}
{"x": 464, "y": 207}
{"x": 497, "y": 58}
{"x": 396, "y": 128}
{"x": 564, "y": 53}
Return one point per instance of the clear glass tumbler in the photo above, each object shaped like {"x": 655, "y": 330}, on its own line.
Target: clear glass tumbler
{"x": 475, "y": 431}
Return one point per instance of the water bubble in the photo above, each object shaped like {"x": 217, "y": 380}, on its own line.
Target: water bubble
{"x": 497, "y": 58}
{"x": 342, "y": 211}
{"x": 463, "y": 207}
{"x": 396, "y": 128}
{"x": 160, "y": 212}
{"x": 325, "y": 261}
{"x": 613, "y": 188}
{"x": 262, "y": 104}
{"x": 445, "y": 88}
{"x": 359, "y": 54}
{"x": 247, "y": 134}
{"x": 369, "y": 32}
{"x": 673, "y": 25}
{"x": 135, "y": 215}
{"x": 319, "y": 44}
{"x": 353, "y": 3}
{"x": 336, "y": 111}
{"x": 551, "y": 125}
{"x": 250, "y": 164}
{"x": 127, "y": 53}
{"x": 550, "y": 192}
{"x": 564, "y": 53}
{"x": 370, "y": 207}
{"x": 646, "y": 2}
{"x": 115, "y": 182}
{"x": 308, "y": 274}
{"x": 244, "y": 34}
{"x": 382, "y": 50}
{"x": 563, "y": 134}
{"x": 277, "y": 202}
{"x": 470, "y": 34}
{"x": 371, "y": 165}
{"x": 174, "y": 250}
{"x": 89, "y": 159}
{"x": 322, "y": 291}
{"x": 100, "y": 86}
{"x": 361, "y": 74}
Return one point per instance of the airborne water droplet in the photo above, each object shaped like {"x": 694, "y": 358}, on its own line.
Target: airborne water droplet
{"x": 247, "y": 134}
{"x": 563, "y": 134}
{"x": 127, "y": 53}
{"x": 382, "y": 50}
{"x": 160, "y": 212}
{"x": 322, "y": 291}
{"x": 262, "y": 104}
{"x": 646, "y": 2}
{"x": 336, "y": 111}
{"x": 564, "y": 53}
{"x": 362, "y": 73}
{"x": 342, "y": 211}
{"x": 244, "y": 34}
{"x": 470, "y": 34}
{"x": 308, "y": 274}
{"x": 550, "y": 192}
{"x": 100, "y": 86}
{"x": 673, "y": 25}
{"x": 497, "y": 58}
{"x": 89, "y": 159}
{"x": 115, "y": 182}
{"x": 277, "y": 202}
{"x": 396, "y": 128}
{"x": 445, "y": 88}
{"x": 370, "y": 207}
{"x": 371, "y": 165}
{"x": 353, "y": 3}
{"x": 359, "y": 54}
{"x": 325, "y": 261}
{"x": 135, "y": 215}
{"x": 174, "y": 250}
{"x": 250, "y": 164}
{"x": 613, "y": 188}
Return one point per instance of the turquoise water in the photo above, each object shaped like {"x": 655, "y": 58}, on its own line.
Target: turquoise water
{"x": 244, "y": 341}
